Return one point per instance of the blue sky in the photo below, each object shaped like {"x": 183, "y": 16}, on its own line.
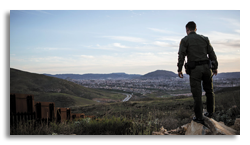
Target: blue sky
{"x": 108, "y": 41}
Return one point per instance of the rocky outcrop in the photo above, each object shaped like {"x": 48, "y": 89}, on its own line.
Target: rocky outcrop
{"x": 218, "y": 128}
{"x": 210, "y": 127}
{"x": 194, "y": 128}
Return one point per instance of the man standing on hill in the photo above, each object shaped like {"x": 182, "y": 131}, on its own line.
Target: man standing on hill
{"x": 199, "y": 54}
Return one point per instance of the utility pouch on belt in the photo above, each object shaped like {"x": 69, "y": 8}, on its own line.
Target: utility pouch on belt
{"x": 187, "y": 69}
{"x": 189, "y": 65}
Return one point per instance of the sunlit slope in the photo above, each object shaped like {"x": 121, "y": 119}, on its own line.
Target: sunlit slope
{"x": 62, "y": 92}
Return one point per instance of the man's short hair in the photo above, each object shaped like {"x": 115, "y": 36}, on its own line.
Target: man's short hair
{"x": 191, "y": 25}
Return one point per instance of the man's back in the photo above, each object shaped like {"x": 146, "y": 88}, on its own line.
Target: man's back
{"x": 196, "y": 47}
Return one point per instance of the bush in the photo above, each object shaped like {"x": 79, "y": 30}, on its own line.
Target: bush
{"x": 104, "y": 126}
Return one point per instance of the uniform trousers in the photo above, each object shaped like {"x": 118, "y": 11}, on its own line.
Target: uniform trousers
{"x": 201, "y": 76}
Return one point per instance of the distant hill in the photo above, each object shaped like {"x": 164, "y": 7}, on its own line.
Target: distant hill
{"x": 151, "y": 75}
{"x": 159, "y": 74}
{"x": 50, "y": 89}
{"x": 96, "y": 76}
{"x": 228, "y": 75}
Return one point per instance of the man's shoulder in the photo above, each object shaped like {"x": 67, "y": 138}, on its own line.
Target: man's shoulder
{"x": 205, "y": 37}
{"x": 184, "y": 38}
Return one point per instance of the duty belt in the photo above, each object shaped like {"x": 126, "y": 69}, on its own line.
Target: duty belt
{"x": 202, "y": 62}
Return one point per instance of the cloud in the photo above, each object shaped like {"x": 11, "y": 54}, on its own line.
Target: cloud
{"x": 238, "y": 31}
{"x": 175, "y": 39}
{"x": 224, "y": 42}
{"x": 215, "y": 35}
{"x": 52, "y": 48}
{"x": 119, "y": 45}
{"x": 107, "y": 47}
{"x": 158, "y": 30}
{"x": 162, "y": 31}
{"x": 231, "y": 21}
{"x": 87, "y": 56}
{"x": 49, "y": 59}
{"x": 164, "y": 44}
{"x": 126, "y": 38}
{"x": 167, "y": 53}
{"x": 15, "y": 59}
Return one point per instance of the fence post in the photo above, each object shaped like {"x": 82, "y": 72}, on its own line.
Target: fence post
{"x": 11, "y": 120}
{"x": 29, "y": 115}
{"x": 22, "y": 116}
{"x": 18, "y": 116}
{"x": 14, "y": 120}
{"x": 26, "y": 117}
{"x": 47, "y": 119}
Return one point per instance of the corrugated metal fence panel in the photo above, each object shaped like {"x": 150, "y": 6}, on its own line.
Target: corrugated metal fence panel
{"x": 22, "y": 103}
{"x": 45, "y": 110}
{"x": 69, "y": 114}
{"x": 76, "y": 116}
{"x": 63, "y": 114}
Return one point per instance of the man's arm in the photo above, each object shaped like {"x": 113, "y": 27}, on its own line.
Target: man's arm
{"x": 212, "y": 56}
{"x": 181, "y": 57}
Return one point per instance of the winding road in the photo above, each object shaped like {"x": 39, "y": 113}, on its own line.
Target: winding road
{"x": 127, "y": 98}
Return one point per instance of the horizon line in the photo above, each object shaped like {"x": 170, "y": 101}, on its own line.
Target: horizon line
{"x": 110, "y": 73}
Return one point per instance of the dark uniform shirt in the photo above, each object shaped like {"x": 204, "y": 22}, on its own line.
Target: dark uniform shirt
{"x": 197, "y": 48}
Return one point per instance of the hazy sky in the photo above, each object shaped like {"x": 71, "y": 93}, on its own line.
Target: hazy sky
{"x": 108, "y": 41}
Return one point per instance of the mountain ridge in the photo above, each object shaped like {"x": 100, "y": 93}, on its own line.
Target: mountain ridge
{"x": 151, "y": 75}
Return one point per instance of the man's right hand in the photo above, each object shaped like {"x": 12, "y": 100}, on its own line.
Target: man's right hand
{"x": 180, "y": 74}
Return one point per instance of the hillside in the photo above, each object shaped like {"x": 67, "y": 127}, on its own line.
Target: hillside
{"x": 159, "y": 74}
{"x": 170, "y": 112}
{"x": 51, "y": 89}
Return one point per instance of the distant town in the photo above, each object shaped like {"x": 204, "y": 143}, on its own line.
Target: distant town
{"x": 145, "y": 86}
{"x": 159, "y": 80}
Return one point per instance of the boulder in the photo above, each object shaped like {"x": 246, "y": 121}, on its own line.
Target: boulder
{"x": 161, "y": 132}
{"x": 210, "y": 127}
{"x": 218, "y": 128}
{"x": 185, "y": 126}
{"x": 195, "y": 128}
{"x": 236, "y": 126}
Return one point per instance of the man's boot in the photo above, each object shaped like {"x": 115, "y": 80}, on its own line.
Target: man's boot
{"x": 207, "y": 114}
{"x": 198, "y": 120}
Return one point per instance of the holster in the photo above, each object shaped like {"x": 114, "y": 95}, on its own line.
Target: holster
{"x": 213, "y": 65}
{"x": 188, "y": 66}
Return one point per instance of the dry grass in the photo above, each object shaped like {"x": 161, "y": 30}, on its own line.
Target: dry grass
{"x": 138, "y": 117}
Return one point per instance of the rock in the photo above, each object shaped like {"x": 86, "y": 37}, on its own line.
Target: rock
{"x": 218, "y": 128}
{"x": 195, "y": 128}
{"x": 162, "y": 129}
{"x": 166, "y": 133}
{"x": 236, "y": 125}
{"x": 161, "y": 132}
{"x": 211, "y": 127}
{"x": 221, "y": 122}
{"x": 181, "y": 130}
{"x": 185, "y": 126}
